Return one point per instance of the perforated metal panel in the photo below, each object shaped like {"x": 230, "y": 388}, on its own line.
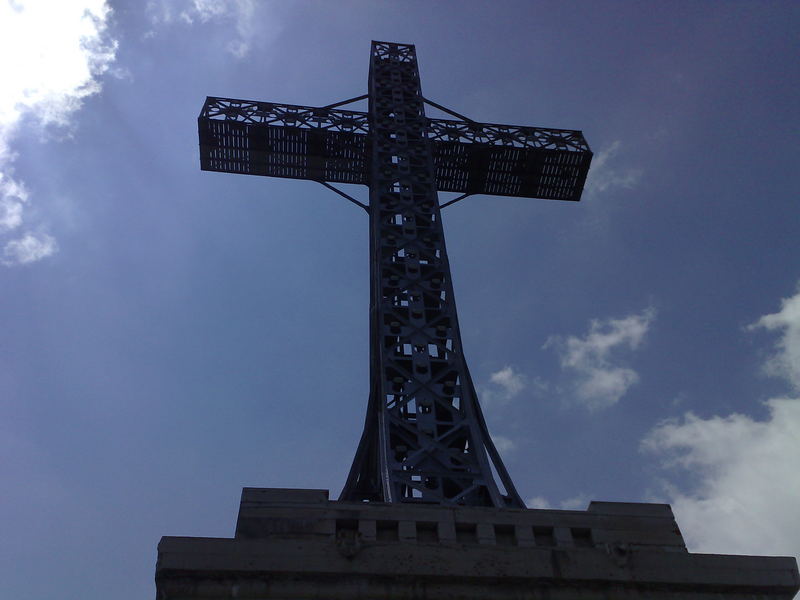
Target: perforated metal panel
{"x": 301, "y": 142}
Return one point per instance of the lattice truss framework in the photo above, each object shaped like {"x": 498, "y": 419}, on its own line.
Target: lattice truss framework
{"x": 424, "y": 420}
{"x": 425, "y": 438}
{"x": 301, "y": 142}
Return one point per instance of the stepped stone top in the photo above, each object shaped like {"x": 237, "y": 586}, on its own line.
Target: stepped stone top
{"x": 300, "y": 544}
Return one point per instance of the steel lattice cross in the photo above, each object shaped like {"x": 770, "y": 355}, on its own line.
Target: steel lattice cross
{"x": 425, "y": 438}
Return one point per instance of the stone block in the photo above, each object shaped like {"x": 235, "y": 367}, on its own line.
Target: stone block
{"x": 297, "y": 544}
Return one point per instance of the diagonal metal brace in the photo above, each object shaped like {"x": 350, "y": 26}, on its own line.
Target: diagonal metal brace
{"x": 454, "y": 200}
{"x": 447, "y": 110}
{"x": 346, "y": 196}
{"x": 343, "y": 102}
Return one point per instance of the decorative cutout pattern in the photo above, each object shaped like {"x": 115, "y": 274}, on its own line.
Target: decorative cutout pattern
{"x": 302, "y": 142}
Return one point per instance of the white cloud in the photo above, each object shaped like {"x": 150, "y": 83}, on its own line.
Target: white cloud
{"x": 786, "y": 361}
{"x": 240, "y": 13}
{"x": 59, "y": 49}
{"x": 13, "y": 196}
{"x": 29, "y": 248}
{"x": 748, "y": 492}
{"x": 513, "y": 383}
{"x": 538, "y": 502}
{"x": 599, "y": 381}
{"x": 602, "y": 176}
{"x": 503, "y": 386}
{"x": 579, "y": 502}
{"x": 55, "y": 52}
{"x": 503, "y": 444}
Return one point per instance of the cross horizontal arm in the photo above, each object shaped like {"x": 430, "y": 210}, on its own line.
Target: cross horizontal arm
{"x": 324, "y": 144}
{"x": 283, "y": 140}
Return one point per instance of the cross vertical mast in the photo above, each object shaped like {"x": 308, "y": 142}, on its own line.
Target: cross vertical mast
{"x": 425, "y": 438}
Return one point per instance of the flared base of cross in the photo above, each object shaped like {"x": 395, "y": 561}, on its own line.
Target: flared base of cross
{"x": 298, "y": 544}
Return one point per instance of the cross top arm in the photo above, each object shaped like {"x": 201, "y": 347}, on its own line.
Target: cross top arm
{"x": 332, "y": 145}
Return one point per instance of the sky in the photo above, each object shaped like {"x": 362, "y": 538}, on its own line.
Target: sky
{"x": 170, "y": 336}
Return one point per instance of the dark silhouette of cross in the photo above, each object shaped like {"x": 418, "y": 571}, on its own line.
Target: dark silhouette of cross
{"x": 425, "y": 438}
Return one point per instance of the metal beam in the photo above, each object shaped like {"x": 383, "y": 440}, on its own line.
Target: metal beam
{"x": 345, "y": 196}
{"x": 447, "y": 110}
{"x": 348, "y": 101}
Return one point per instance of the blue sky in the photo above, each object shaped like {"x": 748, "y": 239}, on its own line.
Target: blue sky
{"x": 170, "y": 336}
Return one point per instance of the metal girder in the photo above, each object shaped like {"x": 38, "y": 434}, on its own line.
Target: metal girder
{"x": 302, "y": 142}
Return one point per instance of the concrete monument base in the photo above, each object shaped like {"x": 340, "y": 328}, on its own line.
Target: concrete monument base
{"x": 298, "y": 544}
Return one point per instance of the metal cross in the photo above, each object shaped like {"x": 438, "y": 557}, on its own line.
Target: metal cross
{"x": 425, "y": 438}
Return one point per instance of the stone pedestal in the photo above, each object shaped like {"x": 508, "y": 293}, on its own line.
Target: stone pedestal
{"x": 298, "y": 544}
